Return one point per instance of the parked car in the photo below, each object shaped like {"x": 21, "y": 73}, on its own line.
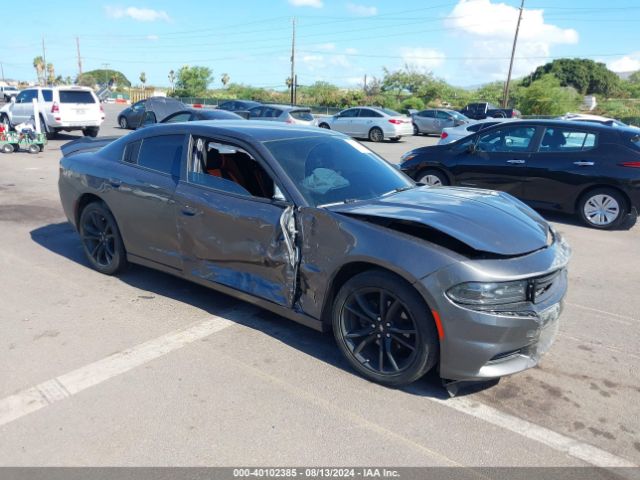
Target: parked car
{"x": 191, "y": 115}
{"x": 436, "y": 119}
{"x": 588, "y": 169}
{"x": 482, "y": 110}
{"x": 238, "y": 105}
{"x": 452, "y": 134}
{"x": 60, "y": 109}
{"x": 585, "y": 117}
{"x": 7, "y": 92}
{"x": 134, "y": 116}
{"x": 283, "y": 113}
{"x": 283, "y": 217}
{"x": 373, "y": 123}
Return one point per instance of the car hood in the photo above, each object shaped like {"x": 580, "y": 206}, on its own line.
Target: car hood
{"x": 485, "y": 220}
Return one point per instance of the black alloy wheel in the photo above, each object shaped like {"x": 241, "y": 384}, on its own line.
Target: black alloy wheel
{"x": 101, "y": 239}
{"x": 384, "y": 329}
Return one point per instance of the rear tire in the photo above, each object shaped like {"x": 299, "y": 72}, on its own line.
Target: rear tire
{"x": 433, "y": 178}
{"x": 384, "y": 328}
{"x": 325, "y": 126}
{"x": 416, "y": 130}
{"x": 33, "y": 148}
{"x": 101, "y": 239}
{"x": 124, "y": 124}
{"x": 376, "y": 135}
{"x": 91, "y": 132}
{"x": 602, "y": 208}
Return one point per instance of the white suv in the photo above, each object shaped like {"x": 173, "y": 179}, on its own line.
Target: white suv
{"x": 60, "y": 109}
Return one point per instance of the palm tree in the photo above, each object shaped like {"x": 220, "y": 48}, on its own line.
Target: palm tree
{"x": 225, "y": 79}
{"x": 38, "y": 64}
{"x": 143, "y": 78}
{"x": 51, "y": 74}
{"x": 172, "y": 79}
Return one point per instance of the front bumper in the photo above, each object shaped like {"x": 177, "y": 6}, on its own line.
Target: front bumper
{"x": 481, "y": 345}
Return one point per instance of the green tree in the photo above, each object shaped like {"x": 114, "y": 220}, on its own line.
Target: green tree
{"x": 412, "y": 103}
{"x": 86, "y": 80}
{"x": 193, "y": 81}
{"x": 320, "y": 93}
{"x": 51, "y": 74}
{"x": 105, "y": 75}
{"x": 585, "y": 75}
{"x": 143, "y": 78}
{"x": 547, "y": 96}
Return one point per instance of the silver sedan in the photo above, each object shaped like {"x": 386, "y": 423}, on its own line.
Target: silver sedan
{"x": 436, "y": 119}
{"x": 373, "y": 123}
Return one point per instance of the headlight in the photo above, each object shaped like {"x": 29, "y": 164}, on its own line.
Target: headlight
{"x": 496, "y": 293}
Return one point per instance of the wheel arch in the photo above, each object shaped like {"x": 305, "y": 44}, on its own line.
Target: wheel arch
{"x": 84, "y": 200}
{"x": 351, "y": 269}
{"x": 586, "y": 190}
{"x": 437, "y": 168}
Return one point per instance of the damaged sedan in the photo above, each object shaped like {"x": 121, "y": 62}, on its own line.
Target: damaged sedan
{"x": 312, "y": 225}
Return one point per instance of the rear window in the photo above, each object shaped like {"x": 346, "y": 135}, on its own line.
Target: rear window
{"x": 301, "y": 115}
{"x": 47, "y": 95}
{"x": 76, "y": 96}
{"x": 391, "y": 113}
{"x": 564, "y": 139}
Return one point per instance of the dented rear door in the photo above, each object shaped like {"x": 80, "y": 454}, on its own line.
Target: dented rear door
{"x": 237, "y": 241}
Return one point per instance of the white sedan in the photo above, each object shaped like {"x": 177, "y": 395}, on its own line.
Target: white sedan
{"x": 452, "y": 134}
{"x": 373, "y": 123}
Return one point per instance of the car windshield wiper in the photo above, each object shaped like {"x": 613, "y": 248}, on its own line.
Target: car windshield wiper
{"x": 398, "y": 190}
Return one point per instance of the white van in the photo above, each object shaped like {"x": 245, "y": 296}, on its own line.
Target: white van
{"x": 60, "y": 108}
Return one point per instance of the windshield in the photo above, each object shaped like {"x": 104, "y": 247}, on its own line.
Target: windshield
{"x": 459, "y": 116}
{"x": 391, "y": 113}
{"x": 329, "y": 169}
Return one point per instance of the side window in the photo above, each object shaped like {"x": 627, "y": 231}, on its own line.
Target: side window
{"x": 255, "y": 112}
{"x": 368, "y": 113}
{"x": 138, "y": 106}
{"x": 272, "y": 112}
{"x": 131, "y": 151}
{"x": 510, "y": 139}
{"x": 443, "y": 116}
{"x": 162, "y": 153}
{"x": 27, "y": 96}
{"x": 352, "y": 112}
{"x": 566, "y": 140}
{"x": 428, "y": 114}
{"x": 228, "y": 168}
{"x": 47, "y": 95}
{"x": 180, "y": 117}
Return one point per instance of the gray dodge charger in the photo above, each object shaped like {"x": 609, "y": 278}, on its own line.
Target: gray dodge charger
{"x": 312, "y": 225}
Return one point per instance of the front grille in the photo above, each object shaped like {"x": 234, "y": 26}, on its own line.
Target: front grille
{"x": 540, "y": 288}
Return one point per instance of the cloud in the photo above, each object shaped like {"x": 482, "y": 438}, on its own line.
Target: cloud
{"x": 139, "y": 14}
{"x": 306, "y": 3}
{"x": 153, "y": 38}
{"x": 422, "y": 58}
{"x": 628, "y": 63}
{"x": 362, "y": 10}
{"x": 488, "y": 29}
{"x": 351, "y": 51}
{"x": 324, "y": 47}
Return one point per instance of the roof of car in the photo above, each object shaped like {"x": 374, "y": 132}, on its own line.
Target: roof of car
{"x": 286, "y": 107}
{"x": 255, "y": 130}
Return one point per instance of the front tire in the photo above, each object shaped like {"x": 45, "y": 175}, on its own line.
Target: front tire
{"x": 325, "y": 126}
{"x": 376, "y": 135}
{"x": 384, "y": 329}
{"x": 433, "y": 178}
{"x": 101, "y": 239}
{"x": 602, "y": 208}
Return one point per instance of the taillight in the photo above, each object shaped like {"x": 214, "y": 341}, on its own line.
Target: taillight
{"x": 55, "y": 108}
{"x": 395, "y": 121}
{"x": 631, "y": 164}
{"x": 444, "y": 135}
{"x": 101, "y": 108}
{"x": 289, "y": 120}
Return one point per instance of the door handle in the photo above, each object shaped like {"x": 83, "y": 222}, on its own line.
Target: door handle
{"x": 584, "y": 164}
{"x": 189, "y": 212}
{"x": 516, "y": 162}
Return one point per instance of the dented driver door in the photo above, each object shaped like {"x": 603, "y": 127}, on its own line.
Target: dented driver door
{"x": 238, "y": 241}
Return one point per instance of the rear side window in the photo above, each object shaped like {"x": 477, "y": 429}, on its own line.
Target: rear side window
{"x": 271, "y": 112}
{"x": 301, "y": 115}
{"x": 47, "y": 95}
{"x": 131, "y": 151}
{"x": 76, "y": 96}
{"x": 180, "y": 117}
{"x": 566, "y": 140}
{"x": 368, "y": 113}
{"x": 162, "y": 153}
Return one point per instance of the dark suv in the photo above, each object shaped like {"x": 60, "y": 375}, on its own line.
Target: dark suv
{"x": 576, "y": 167}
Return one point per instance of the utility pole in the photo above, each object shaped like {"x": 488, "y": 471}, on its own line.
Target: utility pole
{"x": 293, "y": 62}
{"x": 44, "y": 60}
{"x": 2, "y": 70}
{"x": 79, "y": 57}
{"x": 505, "y": 96}
{"x": 105, "y": 66}
{"x": 365, "y": 83}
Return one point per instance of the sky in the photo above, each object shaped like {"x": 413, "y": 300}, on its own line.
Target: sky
{"x": 465, "y": 42}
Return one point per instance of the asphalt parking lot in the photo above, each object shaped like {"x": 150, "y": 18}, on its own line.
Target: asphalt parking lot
{"x": 169, "y": 373}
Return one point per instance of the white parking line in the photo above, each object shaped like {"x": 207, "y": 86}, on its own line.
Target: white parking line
{"x": 35, "y": 398}
{"x": 624, "y": 319}
{"x": 54, "y": 390}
